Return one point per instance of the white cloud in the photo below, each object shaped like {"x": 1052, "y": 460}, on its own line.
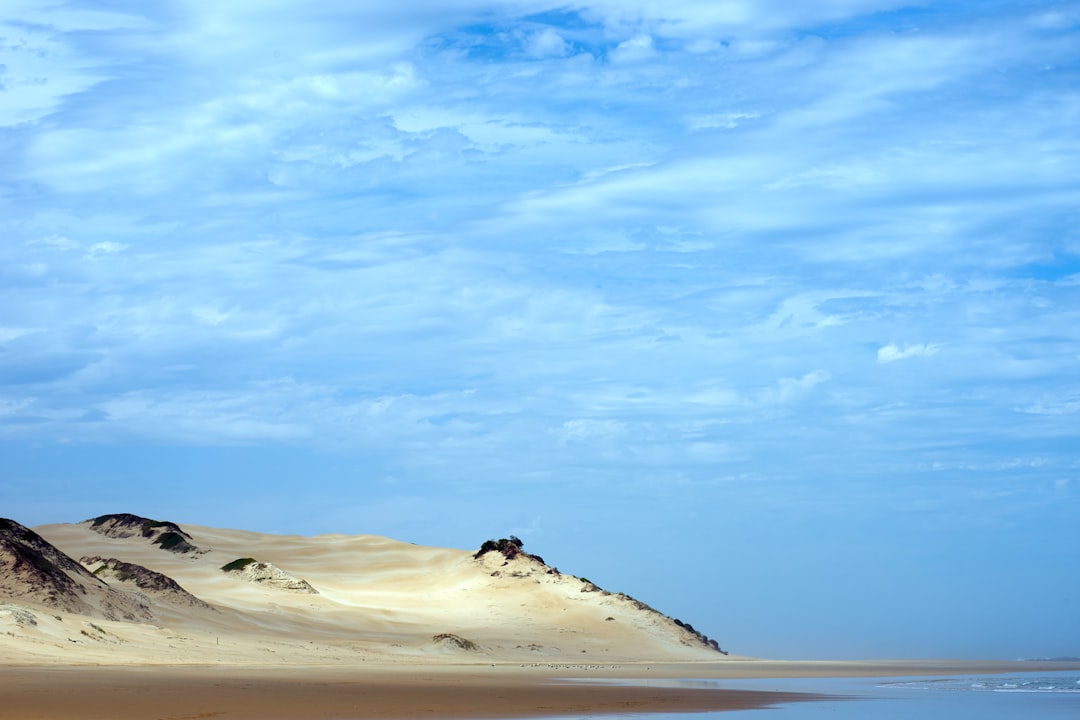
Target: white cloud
{"x": 635, "y": 49}
{"x": 724, "y": 121}
{"x": 56, "y": 242}
{"x": 688, "y": 19}
{"x": 201, "y": 417}
{"x": 782, "y": 391}
{"x": 39, "y": 70}
{"x": 891, "y": 353}
{"x": 68, "y": 16}
{"x": 788, "y": 390}
{"x": 210, "y": 315}
{"x": 107, "y": 247}
{"x": 547, "y": 43}
{"x": 14, "y": 406}
{"x": 589, "y": 430}
{"x": 11, "y": 333}
{"x": 1059, "y": 18}
{"x": 1068, "y": 404}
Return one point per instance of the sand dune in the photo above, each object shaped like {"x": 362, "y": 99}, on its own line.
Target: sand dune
{"x": 329, "y": 599}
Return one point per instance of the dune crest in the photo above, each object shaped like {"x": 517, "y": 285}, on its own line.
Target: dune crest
{"x": 164, "y": 534}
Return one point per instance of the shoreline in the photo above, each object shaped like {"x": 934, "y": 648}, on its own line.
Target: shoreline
{"x": 282, "y": 693}
{"x": 403, "y": 691}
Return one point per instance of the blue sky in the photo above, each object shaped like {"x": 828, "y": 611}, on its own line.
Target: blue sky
{"x": 763, "y": 312}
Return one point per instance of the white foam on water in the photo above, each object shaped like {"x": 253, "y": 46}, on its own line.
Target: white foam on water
{"x": 1040, "y": 683}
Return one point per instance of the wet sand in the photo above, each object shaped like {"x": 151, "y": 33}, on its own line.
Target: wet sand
{"x": 411, "y": 691}
{"x": 170, "y": 693}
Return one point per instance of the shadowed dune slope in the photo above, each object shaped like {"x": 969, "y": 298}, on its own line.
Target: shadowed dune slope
{"x": 35, "y": 572}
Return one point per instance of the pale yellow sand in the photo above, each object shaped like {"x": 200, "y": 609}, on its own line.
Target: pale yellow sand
{"x": 379, "y": 600}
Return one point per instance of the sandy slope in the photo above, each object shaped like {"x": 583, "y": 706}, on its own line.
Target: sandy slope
{"x": 378, "y": 600}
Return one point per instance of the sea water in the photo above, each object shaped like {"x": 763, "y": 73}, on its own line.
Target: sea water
{"x": 1019, "y": 696}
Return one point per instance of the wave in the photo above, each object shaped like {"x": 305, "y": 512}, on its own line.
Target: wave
{"x": 1057, "y": 683}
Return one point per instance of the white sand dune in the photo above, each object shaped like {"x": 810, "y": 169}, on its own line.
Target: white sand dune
{"x": 376, "y": 600}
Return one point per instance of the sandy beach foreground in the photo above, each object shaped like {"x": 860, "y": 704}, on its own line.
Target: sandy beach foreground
{"x": 291, "y": 694}
{"x": 461, "y": 691}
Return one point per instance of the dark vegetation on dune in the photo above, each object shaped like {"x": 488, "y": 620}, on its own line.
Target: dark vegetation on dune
{"x": 166, "y": 535}
{"x": 455, "y": 641}
{"x": 264, "y": 572}
{"x": 143, "y": 578}
{"x": 237, "y": 564}
{"x": 705, "y": 639}
{"x": 510, "y": 548}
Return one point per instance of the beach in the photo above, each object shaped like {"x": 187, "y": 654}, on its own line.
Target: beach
{"x": 164, "y": 692}
{"x": 305, "y": 694}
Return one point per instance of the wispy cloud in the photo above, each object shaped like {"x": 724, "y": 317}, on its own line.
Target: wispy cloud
{"x": 891, "y": 353}
{"x": 779, "y": 255}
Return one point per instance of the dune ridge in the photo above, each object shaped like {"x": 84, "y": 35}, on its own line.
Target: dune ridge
{"x": 149, "y": 591}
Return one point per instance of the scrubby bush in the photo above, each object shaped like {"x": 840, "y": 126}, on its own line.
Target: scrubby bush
{"x": 455, "y": 641}
{"x": 510, "y": 547}
{"x": 149, "y": 526}
{"x": 172, "y": 541}
{"x": 238, "y": 564}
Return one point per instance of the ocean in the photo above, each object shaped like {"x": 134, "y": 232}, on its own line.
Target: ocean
{"x": 1018, "y": 696}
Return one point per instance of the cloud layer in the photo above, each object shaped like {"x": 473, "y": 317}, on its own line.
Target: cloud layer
{"x": 809, "y": 264}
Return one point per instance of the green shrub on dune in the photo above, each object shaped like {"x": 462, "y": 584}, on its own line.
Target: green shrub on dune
{"x": 237, "y": 564}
